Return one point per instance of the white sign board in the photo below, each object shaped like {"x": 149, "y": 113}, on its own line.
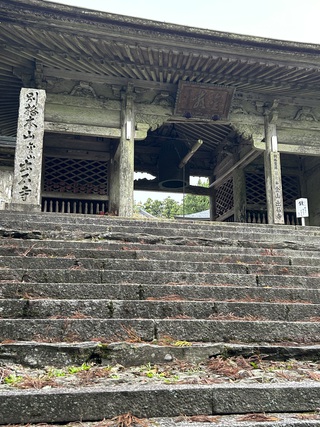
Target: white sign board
{"x": 302, "y": 210}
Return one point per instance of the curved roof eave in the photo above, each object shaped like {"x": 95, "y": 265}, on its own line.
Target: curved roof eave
{"x": 86, "y": 20}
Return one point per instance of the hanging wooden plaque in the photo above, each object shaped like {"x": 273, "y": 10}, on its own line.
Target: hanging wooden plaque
{"x": 203, "y": 101}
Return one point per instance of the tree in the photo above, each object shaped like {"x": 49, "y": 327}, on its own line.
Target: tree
{"x": 193, "y": 204}
{"x": 154, "y": 207}
{"x": 169, "y": 208}
{"x": 166, "y": 208}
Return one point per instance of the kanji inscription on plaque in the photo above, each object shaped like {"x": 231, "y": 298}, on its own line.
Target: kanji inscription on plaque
{"x": 203, "y": 101}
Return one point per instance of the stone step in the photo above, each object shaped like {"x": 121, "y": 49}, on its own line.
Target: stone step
{"x": 58, "y": 221}
{"x": 84, "y": 249}
{"x": 174, "y": 292}
{"x": 156, "y": 235}
{"x": 121, "y": 309}
{"x": 289, "y": 251}
{"x": 87, "y": 257}
{"x": 200, "y": 330}
{"x": 76, "y": 274}
{"x": 234, "y": 266}
{"x": 25, "y": 247}
{"x": 92, "y": 403}
{"x": 79, "y": 289}
{"x": 19, "y": 219}
{"x": 62, "y": 354}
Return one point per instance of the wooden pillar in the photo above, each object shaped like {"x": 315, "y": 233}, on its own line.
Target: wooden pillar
{"x": 26, "y": 189}
{"x": 122, "y": 164}
{"x": 272, "y": 168}
{"x": 213, "y": 202}
{"x": 239, "y": 195}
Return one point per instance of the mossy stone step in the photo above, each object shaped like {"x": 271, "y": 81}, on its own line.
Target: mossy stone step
{"x": 60, "y": 354}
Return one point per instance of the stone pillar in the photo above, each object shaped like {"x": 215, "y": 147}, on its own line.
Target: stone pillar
{"x": 26, "y": 189}
{"x": 272, "y": 168}
{"x": 6, "y": 179}
{"x": 122, "y": 164}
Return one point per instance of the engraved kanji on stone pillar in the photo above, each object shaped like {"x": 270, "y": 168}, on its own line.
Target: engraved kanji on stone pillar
{"x": 26, "y": 191}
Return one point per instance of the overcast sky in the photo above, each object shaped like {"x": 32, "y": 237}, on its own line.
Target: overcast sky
{"x": 296, "y": 20}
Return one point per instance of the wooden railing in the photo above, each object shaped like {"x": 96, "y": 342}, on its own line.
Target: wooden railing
{"x": 87, "y": 207}
{"x": 259, "y": 216}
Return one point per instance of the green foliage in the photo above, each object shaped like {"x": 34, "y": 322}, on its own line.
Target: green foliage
{"x": 169, "y": 208}
{"x": 154, "y": 207}
{"x": 12, "y": 379}
{"x": 55, "y": 373}
{"x": 194, "y": 204}
{"x": 254, "y": 365}
{"x": 76, "y": 369}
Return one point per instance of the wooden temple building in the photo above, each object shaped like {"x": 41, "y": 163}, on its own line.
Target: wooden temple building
{"x": 89, "y": 98}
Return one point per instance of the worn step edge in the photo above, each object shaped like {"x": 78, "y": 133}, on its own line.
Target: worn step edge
{"x": 17, "y": 219}
{"x": 152, "y": 229}
{"x": 161, "y": 235}
{"x": 65, "y": 405}
{"x": 39, "y": 355}
{"x": 97, "y": 219}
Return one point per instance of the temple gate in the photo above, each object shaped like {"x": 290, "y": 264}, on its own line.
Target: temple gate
{"x": 85, "y": 106}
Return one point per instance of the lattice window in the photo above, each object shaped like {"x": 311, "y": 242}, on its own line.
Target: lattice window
{"x": 224, "y": 197}
{"x": 75, "y": 176}
{"x": 291, "y": 190}
{"x": 256, "y": 190}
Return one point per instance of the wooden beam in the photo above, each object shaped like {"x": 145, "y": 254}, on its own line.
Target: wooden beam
{"x": 188, "y": 156}
{"x": 76, "y": 154}
{"x": 75, "y": 129}
{"x": 103, "y": 79}
{"x": 153, "y": 185}
{"x": 246, "y": 159}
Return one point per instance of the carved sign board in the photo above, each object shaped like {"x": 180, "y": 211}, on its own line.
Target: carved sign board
{"x": 277, "y": 195}
{"x": 203, "y": 101}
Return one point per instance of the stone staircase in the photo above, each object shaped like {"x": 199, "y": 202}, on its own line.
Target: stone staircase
{"x": 94, "y": 289}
